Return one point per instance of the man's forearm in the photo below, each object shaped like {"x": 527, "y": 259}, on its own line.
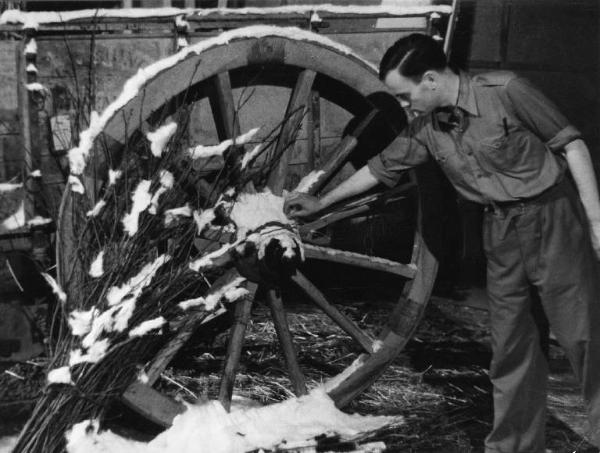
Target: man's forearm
{"x": 359, "y": 182}
{"x": 582, "y": 169}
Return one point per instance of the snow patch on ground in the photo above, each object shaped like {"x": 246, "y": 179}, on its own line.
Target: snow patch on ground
{"x": 209, "y": 428}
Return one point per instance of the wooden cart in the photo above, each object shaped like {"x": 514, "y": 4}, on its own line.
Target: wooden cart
{"x": 336, "y": 111}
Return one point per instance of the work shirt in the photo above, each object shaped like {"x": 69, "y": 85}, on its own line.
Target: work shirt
{"x": 501, "y": 142}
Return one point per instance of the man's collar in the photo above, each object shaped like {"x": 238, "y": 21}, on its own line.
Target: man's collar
{"x": 466, "y": 97}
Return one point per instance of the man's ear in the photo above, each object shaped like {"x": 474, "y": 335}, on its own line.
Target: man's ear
{"x": 431, "y": 79}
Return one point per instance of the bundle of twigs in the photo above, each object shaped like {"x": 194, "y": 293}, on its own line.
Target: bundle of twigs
{"x": 134, "y": 275}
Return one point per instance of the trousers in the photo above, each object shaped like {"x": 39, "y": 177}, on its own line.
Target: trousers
{"x": 542, "y": 245}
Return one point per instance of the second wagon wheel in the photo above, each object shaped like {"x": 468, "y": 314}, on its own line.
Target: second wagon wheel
{"x": 231, "y": 81}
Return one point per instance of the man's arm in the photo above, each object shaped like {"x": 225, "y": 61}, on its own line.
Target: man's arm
{"x": 582, "y": 169}
{"x": 302, "y": 205}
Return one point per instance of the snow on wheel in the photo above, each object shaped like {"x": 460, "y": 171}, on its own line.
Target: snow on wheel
{"x": 160, "y": 232}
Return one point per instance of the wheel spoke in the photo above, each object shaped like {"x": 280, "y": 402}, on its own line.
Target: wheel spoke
{"x": 294, "y": 114}
{"x": 346, "y": 324}
{"x": 359, "y": 260}
{"x": 313, "y": 129}
{"x": 234, "y": 349}
{"x": 286, "y": 342}
{"x": 356, "y": 207}
{"x": 223, "y": 107}
{"x": 340, "y": 153}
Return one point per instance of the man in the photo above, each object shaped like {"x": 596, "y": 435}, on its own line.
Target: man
{"x": 501, "y": 143}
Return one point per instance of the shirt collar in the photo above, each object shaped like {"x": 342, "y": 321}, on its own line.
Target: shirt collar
{"x": 466, "y": 97}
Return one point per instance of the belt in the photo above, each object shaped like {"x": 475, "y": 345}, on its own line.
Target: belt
{"x": 551, "y": 193}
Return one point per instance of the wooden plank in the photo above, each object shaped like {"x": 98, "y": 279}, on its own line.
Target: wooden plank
{"x": 151, "y": 404}
{"x": 286, "y": 342}
{"x": 9, "y": 75}
{"x": 25, "y": 103}
{"x": 294, "y": 115}
{"x": 360, "y": 260}
{"x": 346, "y": 324}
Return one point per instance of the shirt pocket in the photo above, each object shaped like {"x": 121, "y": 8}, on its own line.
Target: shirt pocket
{"x": 500, "y": 153}
{"x": 517, "y": 153}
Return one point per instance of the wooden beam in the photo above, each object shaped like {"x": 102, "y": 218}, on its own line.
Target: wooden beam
{"x": 286, "y": 342}
{"x": 346, "y": 324}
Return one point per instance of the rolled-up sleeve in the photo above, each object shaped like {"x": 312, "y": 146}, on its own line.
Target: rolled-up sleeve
{"x": 403, "y": 153}
{"x": 540, "y": 114}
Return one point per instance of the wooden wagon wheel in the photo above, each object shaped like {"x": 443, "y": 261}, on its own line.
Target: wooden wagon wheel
{"x": 316, "y": 65}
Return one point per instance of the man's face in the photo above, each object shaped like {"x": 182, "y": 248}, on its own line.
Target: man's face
{"x": 416, "y": 98}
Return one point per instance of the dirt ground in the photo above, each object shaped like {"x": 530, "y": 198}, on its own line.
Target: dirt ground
{"x": 438, "y": 384}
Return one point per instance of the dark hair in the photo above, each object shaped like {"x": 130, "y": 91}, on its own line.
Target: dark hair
{"x": 413, "y": 55}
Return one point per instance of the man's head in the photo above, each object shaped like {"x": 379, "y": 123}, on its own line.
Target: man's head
{"x": 416, "y": 71}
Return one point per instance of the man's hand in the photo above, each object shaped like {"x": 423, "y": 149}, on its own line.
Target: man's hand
{"x": 298, "y": 205}
{"x": 595, "y": 234}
